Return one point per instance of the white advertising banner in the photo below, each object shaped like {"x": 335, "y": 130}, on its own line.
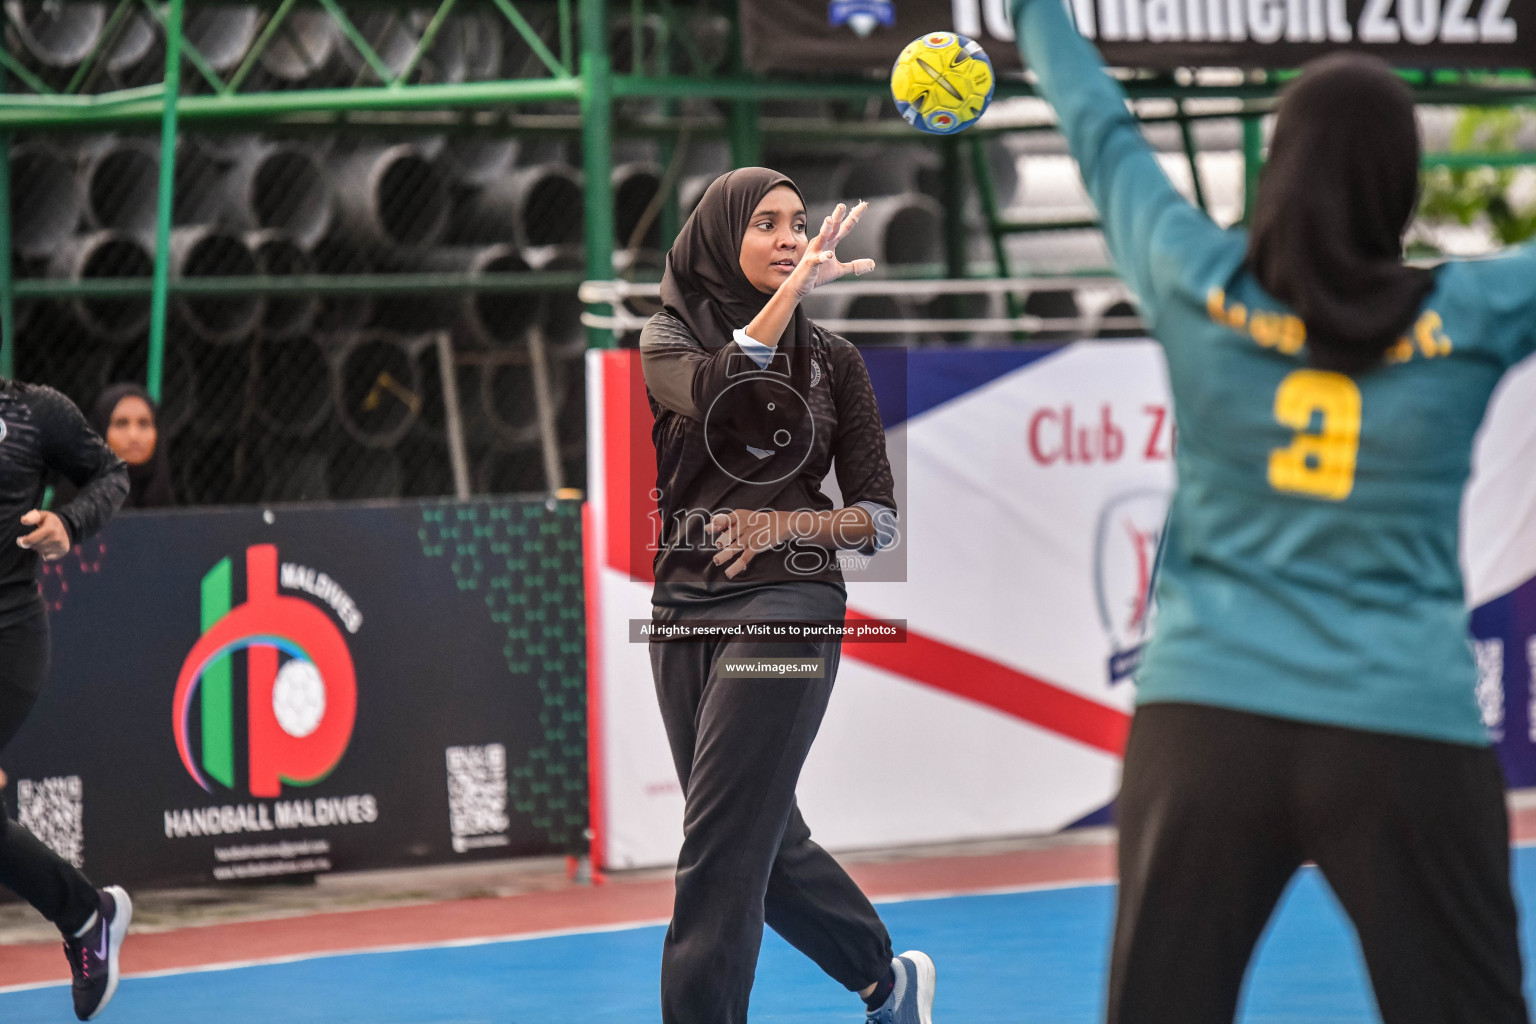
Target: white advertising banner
{"x": 1033, "y": 487}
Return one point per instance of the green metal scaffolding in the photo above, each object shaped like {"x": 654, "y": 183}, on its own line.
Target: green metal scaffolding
{"x": 581, "y": 70}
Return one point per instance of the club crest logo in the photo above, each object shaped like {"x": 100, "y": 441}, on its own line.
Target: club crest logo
{"x": 1128, "y": 540}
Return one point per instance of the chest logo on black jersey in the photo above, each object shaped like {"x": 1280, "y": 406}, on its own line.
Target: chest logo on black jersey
{"x": 815, "y": 373}
{"x": 3, "y": 430}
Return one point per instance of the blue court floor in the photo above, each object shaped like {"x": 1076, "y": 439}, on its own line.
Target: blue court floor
{"x": 1035, "y": 957}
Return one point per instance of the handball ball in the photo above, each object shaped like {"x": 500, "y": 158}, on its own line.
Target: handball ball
{"x": 942, "y": 82}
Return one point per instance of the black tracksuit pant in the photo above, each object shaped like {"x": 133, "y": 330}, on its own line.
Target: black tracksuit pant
{"x": 28, "y": 868}
{"x": 1219, "y": 808}
{"x": 747, "y": 855}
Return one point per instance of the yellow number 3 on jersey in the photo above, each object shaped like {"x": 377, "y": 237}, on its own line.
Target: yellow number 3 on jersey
{"x": 1324, "y": 410}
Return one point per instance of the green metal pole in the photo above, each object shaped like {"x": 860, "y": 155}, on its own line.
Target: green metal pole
{"x": 746, "y": 132}
{"x": 956, "y": 238}
{"x": 566, "y": 57}
{"x": 55, "y": 288}
{"x": 597, "y": 152}
{"x": 7, "y": 294}
{"x": 1253, "y": 162}
{"x": 994, "y": 218}
{"x": 112, "y": 111}
{"x": 1253, "y": 159}
{"x": 671, "y": 217}
{"x": 157, "y": 302}
{"x": 671, "y": 149}
{"x": 1187, "y": 133}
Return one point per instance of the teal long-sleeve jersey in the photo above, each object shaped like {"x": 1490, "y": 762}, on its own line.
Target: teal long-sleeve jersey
{"x": 1309, "y": 566}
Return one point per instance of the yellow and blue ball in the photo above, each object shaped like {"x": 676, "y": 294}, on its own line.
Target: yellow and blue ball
{"x": 942, "y": 82}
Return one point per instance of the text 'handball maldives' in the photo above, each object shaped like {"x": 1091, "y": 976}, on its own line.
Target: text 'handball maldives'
{"x": 942, "y": 83}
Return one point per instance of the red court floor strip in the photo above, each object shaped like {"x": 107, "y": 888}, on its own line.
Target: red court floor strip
{"x": 578, "y": 907}
{"x": 575, "y": 908}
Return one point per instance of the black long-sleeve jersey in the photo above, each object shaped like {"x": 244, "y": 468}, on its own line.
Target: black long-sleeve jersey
{"x": 42, "y": 432}
{"x": 732, "y": 434}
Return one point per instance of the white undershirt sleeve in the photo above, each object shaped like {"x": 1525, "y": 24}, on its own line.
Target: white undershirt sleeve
{"x": 759, "y": 352}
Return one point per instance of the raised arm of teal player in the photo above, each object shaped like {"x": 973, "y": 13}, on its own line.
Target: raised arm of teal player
{"x": 1155, "y": 235}
{"x": 1507, "y": 283}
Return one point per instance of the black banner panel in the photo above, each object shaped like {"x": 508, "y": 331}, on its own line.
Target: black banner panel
{"x": 252, "y": 693}
{"x": 864, "y": 36}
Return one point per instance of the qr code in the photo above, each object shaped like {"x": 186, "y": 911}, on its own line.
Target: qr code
{"x": 477, "y": 795}
{"x": 52, "y": 810}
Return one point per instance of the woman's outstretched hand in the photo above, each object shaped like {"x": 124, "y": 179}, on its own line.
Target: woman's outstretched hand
{"x": 820, "y": 264}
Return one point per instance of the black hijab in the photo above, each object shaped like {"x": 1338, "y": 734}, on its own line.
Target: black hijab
{"x": 1335, "y": 197}
{"x": 149, "y": 485}
{"x": 703, "y": 285}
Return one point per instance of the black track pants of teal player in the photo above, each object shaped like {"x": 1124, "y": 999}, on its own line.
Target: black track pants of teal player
{"x": 1220, "y": 808}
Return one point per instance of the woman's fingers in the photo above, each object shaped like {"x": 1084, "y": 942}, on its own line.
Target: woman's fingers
{"x": 849, "y": 221}
{"x": 831, "y": 228}
{"x": 736, "y": 546}
{"x": 739, "y": 566}
{"x": 829, "y": 272}
{"x": 720, "y": 526}
{"x": 725, "y": 548}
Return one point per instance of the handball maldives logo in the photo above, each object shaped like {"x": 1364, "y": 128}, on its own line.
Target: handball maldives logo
{"x": 301, "y": 688}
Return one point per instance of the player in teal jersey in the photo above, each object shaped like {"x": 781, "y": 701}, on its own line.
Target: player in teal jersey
{"x": 1309, "y": 690}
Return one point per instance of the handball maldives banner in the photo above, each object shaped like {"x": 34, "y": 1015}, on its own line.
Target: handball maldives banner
{"x": 251, "y": 693}
{"x": 864, "y": 36}
{"x": 1033, "y": 485}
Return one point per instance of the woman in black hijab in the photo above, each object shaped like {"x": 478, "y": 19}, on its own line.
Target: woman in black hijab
{"x": 128, "y": 420}
{"x": 754, "y": 404}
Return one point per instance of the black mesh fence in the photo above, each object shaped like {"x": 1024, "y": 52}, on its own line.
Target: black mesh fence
{"x": 272, "y": 393}
{"x": 334, "y": 274}
{"x": 314, "y": 319}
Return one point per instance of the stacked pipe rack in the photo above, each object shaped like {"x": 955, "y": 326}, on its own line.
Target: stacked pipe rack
{"x": 341, "y": 240}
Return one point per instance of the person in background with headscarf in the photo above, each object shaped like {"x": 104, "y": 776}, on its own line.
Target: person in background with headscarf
{"x": 754, "y": 404}
{"x": 128, "y": 419}
{"x": 1309, "y": 690}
